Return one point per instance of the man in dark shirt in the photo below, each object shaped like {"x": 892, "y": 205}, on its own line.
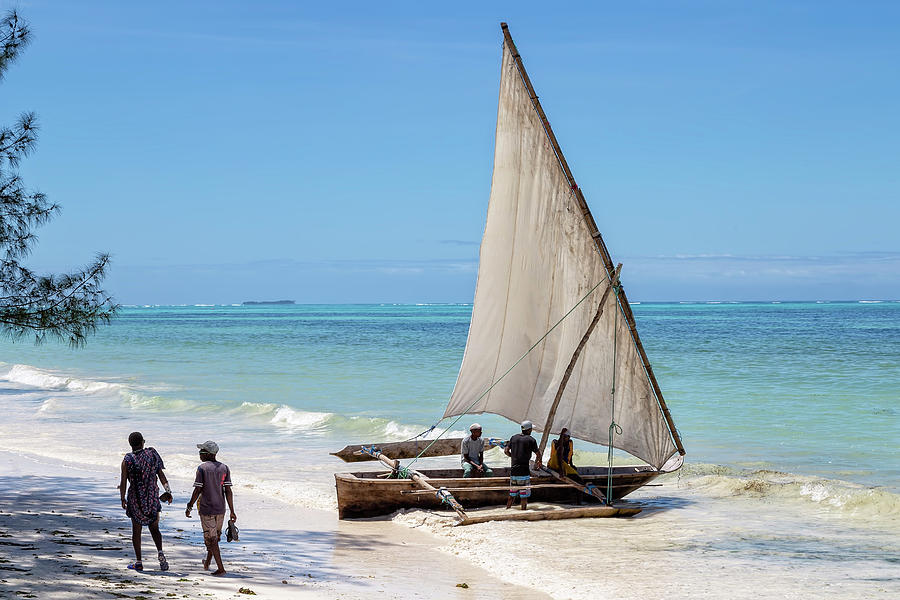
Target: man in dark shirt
{"x": 212, "y": 486}
{"x": 519, "y": 448}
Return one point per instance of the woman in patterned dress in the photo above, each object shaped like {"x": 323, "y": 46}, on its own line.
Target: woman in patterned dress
{"x": 140, "y": 468}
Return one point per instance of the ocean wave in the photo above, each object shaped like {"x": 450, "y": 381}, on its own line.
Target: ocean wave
{"x": 49, "y": 406}
{"x": 256, "y": 409}
{"x": 353, "y": 427}
{"x": 138, "y": 401}
{"x": 46, "y": 380}
{"x": 301, "y": 420}
{"x": 833, "y": 495}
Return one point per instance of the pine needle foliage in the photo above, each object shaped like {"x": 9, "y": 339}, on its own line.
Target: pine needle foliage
{"x": 66, "y": 307}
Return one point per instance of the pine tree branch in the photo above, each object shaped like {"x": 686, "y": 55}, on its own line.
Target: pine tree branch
{"x": 68, "y": 306}
{"x": 14, "y": 36}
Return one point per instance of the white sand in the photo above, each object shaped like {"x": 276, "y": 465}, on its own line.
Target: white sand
{"x": 63, "y": 535}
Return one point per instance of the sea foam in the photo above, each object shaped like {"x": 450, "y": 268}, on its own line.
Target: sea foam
{"x": 46, "y": 380}
{"x": 841, "y": 498}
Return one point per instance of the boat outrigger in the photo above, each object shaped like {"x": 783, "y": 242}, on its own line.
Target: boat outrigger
{"x": 552, "y": 340}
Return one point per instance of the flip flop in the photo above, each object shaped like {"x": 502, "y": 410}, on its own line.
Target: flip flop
{"x": 136, "y": 565}
{"x": 163, "y": 563}
{"x": 232, "y": 532}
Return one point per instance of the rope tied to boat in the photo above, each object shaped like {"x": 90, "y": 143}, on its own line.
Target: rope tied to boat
{"x": 444, "y": 496}
{"x": 426, "y": 432}
{"x": 400, "y": 472}
{"x": 371, "y": 450}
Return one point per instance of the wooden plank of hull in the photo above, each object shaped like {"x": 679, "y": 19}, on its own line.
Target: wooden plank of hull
{"x": 545, "y": 515}
{"x": 506, "y": 488}
{"x": 409, "y": 449}
{"x": 363, "y": 494}
{"x": 422, "y": 481}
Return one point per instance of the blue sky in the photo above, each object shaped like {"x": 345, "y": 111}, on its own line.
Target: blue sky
{"x": 342, "y": 152}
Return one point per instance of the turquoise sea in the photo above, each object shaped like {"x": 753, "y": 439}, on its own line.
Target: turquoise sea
{"x": 792, "y": 407}
{"x": 801, "y": 387}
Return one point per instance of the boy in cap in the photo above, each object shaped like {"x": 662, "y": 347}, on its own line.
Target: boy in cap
{"x": 519, "y": 448}
{"x": 212, "y": 486}
{"x": 472, "y": 451}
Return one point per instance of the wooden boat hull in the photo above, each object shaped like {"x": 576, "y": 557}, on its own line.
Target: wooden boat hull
{"x": 364, "y": 494}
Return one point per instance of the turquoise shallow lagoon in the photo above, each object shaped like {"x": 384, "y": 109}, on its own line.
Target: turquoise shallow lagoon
{"x": 800, "y": 387}
{"x": 790, "y": 414}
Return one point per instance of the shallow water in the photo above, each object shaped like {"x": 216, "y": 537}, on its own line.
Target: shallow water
{"x": 789, "y": 413}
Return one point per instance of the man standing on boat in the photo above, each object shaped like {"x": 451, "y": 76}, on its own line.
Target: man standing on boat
{"x": 472, "y": 451}
{"x": 520, "y": 448}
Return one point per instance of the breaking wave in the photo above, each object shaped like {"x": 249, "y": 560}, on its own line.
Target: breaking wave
{"x": 842, "y": 498}
{"x": 295, "y": 420}
{"x": 138, "y": 401}
{"x": 149, "y": 399}
{"x": 38, "y": 378}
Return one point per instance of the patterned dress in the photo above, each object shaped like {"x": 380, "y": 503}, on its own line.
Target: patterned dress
{"x": 143, "y": 494}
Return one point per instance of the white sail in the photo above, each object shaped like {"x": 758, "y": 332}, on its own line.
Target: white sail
{"x": 537, "y": 261}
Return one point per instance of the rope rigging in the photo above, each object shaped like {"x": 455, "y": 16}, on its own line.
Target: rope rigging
{"x": 487, "y": 391}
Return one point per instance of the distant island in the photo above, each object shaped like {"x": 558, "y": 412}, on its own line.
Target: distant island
{"x": 256, "y": 302}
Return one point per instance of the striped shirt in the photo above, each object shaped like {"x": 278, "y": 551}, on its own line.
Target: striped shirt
{"x": 212, "y": 477}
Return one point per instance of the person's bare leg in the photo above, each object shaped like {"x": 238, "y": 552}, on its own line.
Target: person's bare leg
{"x": 510, "y": 501}
{"x": 524, "y": 503}
{"x": 208, "y": 559}
{"x": 157, "y": 539}
{"x": 155, "y": 534}
{"x": 212, "y": 545}
{"x": 136, "y": 539}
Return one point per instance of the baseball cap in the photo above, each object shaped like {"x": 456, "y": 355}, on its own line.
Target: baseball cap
{"x": 209, "y": 446}
{"x": 474, "y": 426}
{"x": 527, "y": 425}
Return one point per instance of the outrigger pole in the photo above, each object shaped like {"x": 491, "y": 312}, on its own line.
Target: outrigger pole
{"x": 595, "y": 233}
{"x": 421, "y": 480}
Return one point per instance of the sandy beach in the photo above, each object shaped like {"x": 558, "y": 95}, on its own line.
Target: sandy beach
{"x": 63, "y": 535}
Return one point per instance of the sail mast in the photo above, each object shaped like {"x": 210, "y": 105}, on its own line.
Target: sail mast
{"x": 595, "y": 234}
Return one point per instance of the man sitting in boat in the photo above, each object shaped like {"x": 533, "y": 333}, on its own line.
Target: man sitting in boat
{"x": 561, "y": 451}
{"x": 519, "y": 448}
{"x": 472, "y": 451}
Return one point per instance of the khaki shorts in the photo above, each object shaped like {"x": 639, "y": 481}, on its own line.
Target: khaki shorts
{"x": 212, "y": 526}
